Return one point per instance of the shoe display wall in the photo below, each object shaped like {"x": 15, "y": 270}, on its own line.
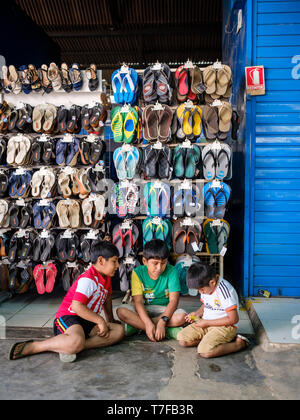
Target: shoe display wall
{"x": 65, "y": 183}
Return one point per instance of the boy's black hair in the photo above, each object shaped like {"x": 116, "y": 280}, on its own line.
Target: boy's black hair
{"x": 199, "y": 275}
{"x": 103, "y": 249}
{"x": 156, "y": 249}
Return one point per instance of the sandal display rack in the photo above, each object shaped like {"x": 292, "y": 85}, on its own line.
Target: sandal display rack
{"x": 104, "y": 228}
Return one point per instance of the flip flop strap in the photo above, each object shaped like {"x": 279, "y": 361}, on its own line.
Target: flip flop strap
{"x": 210, "y": 152}
{"x": 119, "y": 233}
{"x": 226, "y": 154}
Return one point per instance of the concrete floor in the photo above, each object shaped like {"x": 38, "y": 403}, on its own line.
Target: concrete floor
{"x": 137, "y": 369}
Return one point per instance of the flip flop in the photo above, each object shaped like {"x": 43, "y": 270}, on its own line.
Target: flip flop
{"x": 224, "y": 76}
{"x": 150, "y": 158}
{"x": 87, "y": 208}
{"x": 179, "y": 237}
{"x": 117, "y": 125}
{"x": 210, "y": 122}
{"x": 178, "y": 161}
{"x": 148, "y": 230}
{"x": 116, "y": 82}
{"x": 191, "y": 161}
{"x": 197, "y": 85}
{"x": 51, "y": 272}
{"x": 132, "y": 162}
{"x": 223, "y": 161}
{"x": 118, "y": 240}
{"x": 119, "y": 158}
{"x": 210, "y": 236}
{"x": 209, "y": 162}
{"x": 225, "y": 115}
{"x": 222, "y": 198}
{"x": 209, "y": 79}
{"x": 18, "y": 355}
{"x": 193, "y": 236}
{"x": 38, "y": 275}
{"x": 133, "y": 235}
{"x": 182, "y": 80}
{"x": 130, "y": 123}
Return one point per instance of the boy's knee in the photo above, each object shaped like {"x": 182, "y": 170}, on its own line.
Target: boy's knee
{"x": 183, "y": 343}
{"x": 206, "y": 355}
{"x": 121, "y": 312}
{"x": 76, "y": 345}
{"x": 118, "y": 332}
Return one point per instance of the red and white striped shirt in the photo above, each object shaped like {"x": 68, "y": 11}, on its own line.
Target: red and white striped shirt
{"x": 90, "y": 288}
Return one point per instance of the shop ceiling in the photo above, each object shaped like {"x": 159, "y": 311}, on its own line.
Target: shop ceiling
{"x": 137, "y": 32}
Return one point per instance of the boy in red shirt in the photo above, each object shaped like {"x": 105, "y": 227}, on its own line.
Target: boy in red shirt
{"x": 78, "y": 324}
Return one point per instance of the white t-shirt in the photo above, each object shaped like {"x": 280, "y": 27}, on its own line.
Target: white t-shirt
{"x": 222, "y": 300}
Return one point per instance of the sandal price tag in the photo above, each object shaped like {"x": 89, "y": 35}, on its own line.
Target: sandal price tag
{"x": 186, "y": 144}
{"x": 129, "y": 260}
{"x": 195, "y": 246}
{"x": 126, "y": 225}
{"x": 156, "y": 220}
{"x": 158, "y": 145}
{"x": 216, "y": 184}
{"x": 223, "y": 251}
{"x": 216, "y": 222}
{"x": 187, "y": 222}
{"x": 20, "y": 202}
{"x": 45, "y": 234}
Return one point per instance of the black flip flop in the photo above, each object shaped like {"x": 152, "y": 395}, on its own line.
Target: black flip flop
{"x": 13, "y": 120}
{"x": 62, "y": 115}
{"x": 66, "y": 279}
{"x": 26, "y": 213}
{"x": 95, "y": 152}
{"x": 47, "y": 151}
{"x": 19, "y": 354}
{"x": 36, "y": 151}
{"x": 37, "y": 245}
{"x": 3, "y": 184}
{"x": 13, "y": 216}
{"x": 61, "y": 246}
{"x": 86, "y": 249}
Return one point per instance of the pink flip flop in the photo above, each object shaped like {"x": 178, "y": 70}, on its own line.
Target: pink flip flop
{"x": 51, "y": 273}
{"x": 38, "y": 275}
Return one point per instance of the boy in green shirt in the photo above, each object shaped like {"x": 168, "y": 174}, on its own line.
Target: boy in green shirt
{"x": 155, "y": 288}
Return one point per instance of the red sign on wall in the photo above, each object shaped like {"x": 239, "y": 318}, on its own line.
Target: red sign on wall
{"x": 255, "y": 80}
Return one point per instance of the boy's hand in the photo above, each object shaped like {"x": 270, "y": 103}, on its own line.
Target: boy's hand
{"x": 160, "y": 332}
{"x": 103, "y": 330}
{"x": 150, "y": 331}
{"x": 191, "y": 317}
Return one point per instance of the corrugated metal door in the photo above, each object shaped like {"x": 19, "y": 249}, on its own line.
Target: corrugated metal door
{"x": 276, "y": 168}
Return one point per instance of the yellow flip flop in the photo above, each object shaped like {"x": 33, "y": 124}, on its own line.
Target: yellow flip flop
{"x": 117, "y": 127}
{"x": 197, "y": 119}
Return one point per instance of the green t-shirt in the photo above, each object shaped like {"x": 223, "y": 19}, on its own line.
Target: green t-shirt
{"x": 155, "y": 292}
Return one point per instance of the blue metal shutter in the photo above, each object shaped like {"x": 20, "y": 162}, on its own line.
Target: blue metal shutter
{"x": 277, "y": 150}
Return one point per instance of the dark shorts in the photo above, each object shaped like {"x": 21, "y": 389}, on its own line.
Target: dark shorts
{"x": 61, "y": 324}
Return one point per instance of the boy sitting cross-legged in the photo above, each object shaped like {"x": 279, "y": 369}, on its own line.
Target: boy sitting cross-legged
{"x": 212, "y": 326}
{"x": 155, "y": 289}
{"x": 78, "y": 324}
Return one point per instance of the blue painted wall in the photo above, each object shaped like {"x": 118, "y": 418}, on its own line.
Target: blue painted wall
{"x": 272, "y": 252}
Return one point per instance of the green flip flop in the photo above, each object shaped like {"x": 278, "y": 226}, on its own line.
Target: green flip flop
{"x": 19, "y": 355}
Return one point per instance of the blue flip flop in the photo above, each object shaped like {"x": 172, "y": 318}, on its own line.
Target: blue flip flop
{"x": 132, "y": 162}
{"x": 148, "y": 230}
{"x": 116, "y": 81}
{"x": 37, "y": 216}
{"x": 216, "y": 200}
{"x": 61, "y": 148}
{"x": 119, "y": 158}
{"x": 129, "y": 86}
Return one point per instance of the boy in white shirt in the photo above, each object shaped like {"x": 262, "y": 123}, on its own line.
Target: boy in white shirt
{"x": 212, "y": 327}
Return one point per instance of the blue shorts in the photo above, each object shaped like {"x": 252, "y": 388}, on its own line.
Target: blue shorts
{"x": 61, "y": 324}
